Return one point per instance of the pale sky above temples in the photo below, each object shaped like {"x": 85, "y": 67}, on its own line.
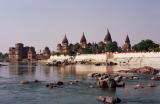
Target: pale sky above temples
{"x": 41, "y": 23}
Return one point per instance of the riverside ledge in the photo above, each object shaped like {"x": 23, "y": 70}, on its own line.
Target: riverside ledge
{"x": 115, "y": 58}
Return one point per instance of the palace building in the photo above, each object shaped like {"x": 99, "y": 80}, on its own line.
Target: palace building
{"x": 63, "y": 47}
{"x": 19, "y": 52}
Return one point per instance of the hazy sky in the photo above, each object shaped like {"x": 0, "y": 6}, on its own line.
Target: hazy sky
{"x": 43, "y": 23}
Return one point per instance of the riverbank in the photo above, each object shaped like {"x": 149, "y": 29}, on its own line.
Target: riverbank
{"x": 143, "y": 58}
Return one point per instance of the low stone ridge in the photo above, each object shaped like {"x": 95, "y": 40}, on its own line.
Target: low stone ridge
{"x": 142, "y": 70}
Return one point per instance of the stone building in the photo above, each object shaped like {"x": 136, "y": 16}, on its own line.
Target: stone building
{"x": 19, "y": 52}
{"x": 83, "y": 41}
{"x": 46, "y": 53}
{"x": 108, "y": 39}
{"x": 31, "y": 54}
{"x": 63, "y": 48}
{"x": 127, "y": 45}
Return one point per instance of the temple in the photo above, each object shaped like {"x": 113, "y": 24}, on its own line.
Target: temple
{"x": 83, "y": 41}
{"x": 108, "y": 39}
{"x": 89, "y": 48}
{"x": 63, "y": 48}
{"x": 19, "y": 53}
{"x": 127, "y": 45}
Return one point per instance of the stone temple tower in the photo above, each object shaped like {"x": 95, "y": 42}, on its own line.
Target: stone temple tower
{"x": 64, "y": 44}
{"x": 127, "y": 45}
{"x": 108, "y": 39}
{"x": 83, "y": 41}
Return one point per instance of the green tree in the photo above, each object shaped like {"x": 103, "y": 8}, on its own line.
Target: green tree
{"x": 145, "y": 46}
{"x": 112, "y": 47}
{"x": 1, "y": 55}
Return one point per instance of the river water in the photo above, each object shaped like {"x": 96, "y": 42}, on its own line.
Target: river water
{"x": 11, "y": 92}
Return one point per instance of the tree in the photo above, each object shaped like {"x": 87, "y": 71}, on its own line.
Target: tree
{"x": 112, "y": 47}
{"x": 145, "y": 46}
{"x": 101, "y": 47}
{"x": 1, "y": 55}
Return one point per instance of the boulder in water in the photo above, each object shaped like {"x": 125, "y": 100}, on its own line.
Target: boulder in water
{"x": 108, "y": 99}
{"x": 155, "y": 78}
{"x": 24, "y": 82}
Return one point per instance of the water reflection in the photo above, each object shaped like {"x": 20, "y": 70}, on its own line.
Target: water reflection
{"x": 20, "y": 69}
{"x": 51, "y": 73}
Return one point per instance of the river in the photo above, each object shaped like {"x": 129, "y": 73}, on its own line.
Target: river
{"x": 12, "y": 92}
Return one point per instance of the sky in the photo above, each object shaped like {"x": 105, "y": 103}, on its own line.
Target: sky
{"x": 41, "y": 23}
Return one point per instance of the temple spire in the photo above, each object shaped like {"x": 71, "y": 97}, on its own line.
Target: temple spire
{"x": 83, "y": 39}
{"x": 127, "y": 40}
{"x": 65, "y": 40}
{"x": 108, "y": 37}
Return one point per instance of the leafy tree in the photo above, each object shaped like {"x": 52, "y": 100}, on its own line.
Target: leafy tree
{"x": 101, "y": 47}
{"x": 145, "y": 45}
{"x": 1, "y": 55}
{"x": 112, "y": 47}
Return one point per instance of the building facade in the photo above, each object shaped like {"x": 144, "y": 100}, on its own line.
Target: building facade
{"x": 19, "y": 52}
{"x": 63, "y": 47}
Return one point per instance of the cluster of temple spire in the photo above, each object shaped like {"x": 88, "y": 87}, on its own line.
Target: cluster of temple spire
{"x": 65, "y": 46}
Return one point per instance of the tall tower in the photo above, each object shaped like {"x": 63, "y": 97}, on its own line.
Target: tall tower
{"x": 83, "y": 41}
{"x": 108, "y": 38}
{"x": 127, "y": 45}
{"x": 65, "y": 44}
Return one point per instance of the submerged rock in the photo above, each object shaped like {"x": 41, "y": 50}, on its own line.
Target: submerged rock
{"x": 24, "y": 82}
{"x": 60, "y": 83}
{"x": 155, "y": 78}
{"x": 108, "y": 99}
{"x": 120, "y": 84}
{"x": 138, "y": 86}
{"x": 151, "y": 85}
{"x": 142, "y": 70}
{"x": 106, "y": 83}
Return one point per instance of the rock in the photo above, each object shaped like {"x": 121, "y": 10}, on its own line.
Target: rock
{"x": 47, "y": 85}
{"x": 97, "y": 64}
{"x": 151, "y": 85}
{"x": 120, "y": 84}
{"x": 101, "y": 98}
{"x": 118, "y": 78}
{"x": 109, "y": 100}
{"x": 73, "y": 82}
{"x": 155, "y": 78}
{"x": 91, "y": 86}
{"x": 106, "y": 83}
{"x": 24, "y": 82}
{"x": 138, "y": 86}
{"x": 102, "y": 84}
{"x": 142, "y": 70}
{"x": 111, "y": 83}
{"x": 60, "y": 83}
{"x": 117, "y": 100}
{"x": 35, "y": 81}
{"x": 50, "y": 86}
{"x": 133, "y": 78}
